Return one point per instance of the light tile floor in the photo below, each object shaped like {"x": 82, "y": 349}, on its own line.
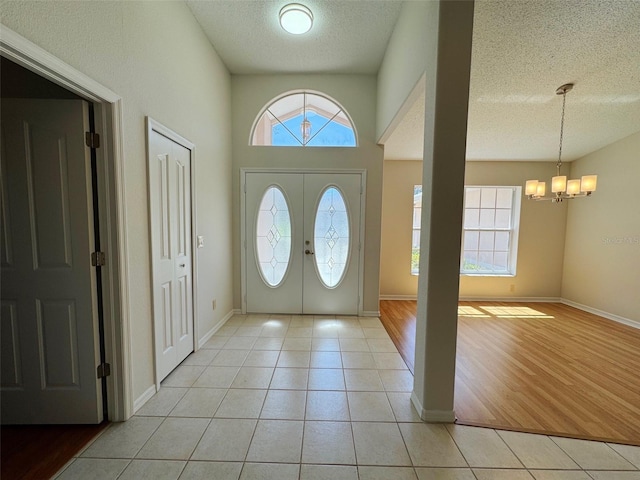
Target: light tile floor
{"x": 313, "y": 398}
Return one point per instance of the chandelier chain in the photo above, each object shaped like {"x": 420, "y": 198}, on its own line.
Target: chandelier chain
{"x": 559, "y": 164}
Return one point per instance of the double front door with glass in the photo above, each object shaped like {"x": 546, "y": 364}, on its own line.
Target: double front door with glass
{"x": 302, "y": 242}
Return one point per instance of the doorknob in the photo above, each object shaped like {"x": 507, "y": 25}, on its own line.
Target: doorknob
{"x": 182, "y": 265}
{"x": 308, "y": 252}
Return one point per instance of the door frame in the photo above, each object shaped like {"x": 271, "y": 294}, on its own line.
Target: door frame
{"x": 108, "y": 111}
{"x": 243, "y": 239}
{"x": 155, "y": 126}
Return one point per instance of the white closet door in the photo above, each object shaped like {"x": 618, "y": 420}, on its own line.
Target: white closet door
{"x": 50, "y": 343}
{"x": 171, "y": 250}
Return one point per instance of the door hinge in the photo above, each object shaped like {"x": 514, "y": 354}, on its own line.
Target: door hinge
{"x": 92, "y": 139}
{"x": 104, "y": 370}
{"x": 98, "y": 259}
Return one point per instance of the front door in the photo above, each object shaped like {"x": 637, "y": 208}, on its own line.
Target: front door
{"x": 50, "y": 342}
{"x": 170, "y": 208}
{"x": 302, "y": 242}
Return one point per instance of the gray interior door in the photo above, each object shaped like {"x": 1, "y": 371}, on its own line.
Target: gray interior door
{"x": 50, "y": 340}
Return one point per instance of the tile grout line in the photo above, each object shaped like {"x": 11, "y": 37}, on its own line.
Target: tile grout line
{"x": 257, "y": 420}
{"x": 569, "y": 455}
{"x": 353, "y": 435}
{"x": 533, "y": 468}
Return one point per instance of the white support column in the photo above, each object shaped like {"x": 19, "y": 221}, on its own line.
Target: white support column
{"x": 445, "y": 133}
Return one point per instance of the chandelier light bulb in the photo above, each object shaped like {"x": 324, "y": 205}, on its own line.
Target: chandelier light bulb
{"x": 559, "y": 183}
{"x": 589, "y": 183}
{"x": 531, "y": 187}
{"x": 573, "y": 187}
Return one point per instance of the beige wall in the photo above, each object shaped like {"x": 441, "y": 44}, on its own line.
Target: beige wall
{"x": 602, "y": 249}
{"x": 357, "y": 94}
{"x": 156, "y": 57}
{"x": 397, "y": 219}
{"x": 541, "y": 239}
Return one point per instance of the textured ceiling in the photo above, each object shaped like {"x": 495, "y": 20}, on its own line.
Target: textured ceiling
{"x": 348, "y": 36}
{"x": 523, "y": 51}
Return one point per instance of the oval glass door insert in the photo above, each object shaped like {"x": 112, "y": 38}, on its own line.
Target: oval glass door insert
{"x": 331, "y": 237}
{"x": 273, "y": 237}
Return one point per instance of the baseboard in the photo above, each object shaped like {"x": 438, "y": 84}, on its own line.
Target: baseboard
{"x": 207, "y": 336}
{"x": 370, "y": 313}
{"x": 482, "y": 299}
{"x": 432, "y": 416}
{"x": 417, "y": 404}
{"x": 438, "y": 416}
{"x": 398, "y": 297}
{"x": 151, "y": 391}
{"x": 236, "y": 311}
{"x": 144, "y": 398}
{"x": 512, "y": 299}
{"x": 601, "y": 313}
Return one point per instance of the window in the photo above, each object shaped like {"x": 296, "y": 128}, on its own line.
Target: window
{"x": 304, "y": 119}
{"x": 490, "y": 230}
{"x": 415, "y": 237}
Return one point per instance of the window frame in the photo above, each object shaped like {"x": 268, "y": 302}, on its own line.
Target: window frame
{"x": 513, "y": 229}
{"x": 270, "y": 103}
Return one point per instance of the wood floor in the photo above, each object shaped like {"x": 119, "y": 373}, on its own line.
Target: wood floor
{"x": 538, "y": 367}
{"x": 37, "y": 452}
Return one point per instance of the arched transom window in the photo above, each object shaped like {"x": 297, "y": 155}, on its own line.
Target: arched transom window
{"x": 304, "y": 119}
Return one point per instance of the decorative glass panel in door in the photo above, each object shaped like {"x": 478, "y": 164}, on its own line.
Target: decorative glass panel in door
{"x": 331, "y": 237}
{"x": 273, "y": 237}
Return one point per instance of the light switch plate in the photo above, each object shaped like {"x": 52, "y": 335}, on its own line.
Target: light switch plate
{"x": 200, "y": 241}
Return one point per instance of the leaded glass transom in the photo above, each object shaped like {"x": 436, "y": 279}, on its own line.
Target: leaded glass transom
{"x": 273, "y": 237}
{"x": 331, "y": 237}
{"x": 304, "y": 119}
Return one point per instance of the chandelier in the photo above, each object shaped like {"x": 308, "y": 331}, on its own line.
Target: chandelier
{"x": 305, "y": 129}
{"x": 560, "y": 187}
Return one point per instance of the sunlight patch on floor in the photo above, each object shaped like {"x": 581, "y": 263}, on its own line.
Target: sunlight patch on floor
{"x": 515, "y": 312}
{"x": 471, "y": 312}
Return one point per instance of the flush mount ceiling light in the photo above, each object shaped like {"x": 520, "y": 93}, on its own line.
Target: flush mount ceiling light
{"x": 562, "y": 189}
{"x": 296, "y": 19}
